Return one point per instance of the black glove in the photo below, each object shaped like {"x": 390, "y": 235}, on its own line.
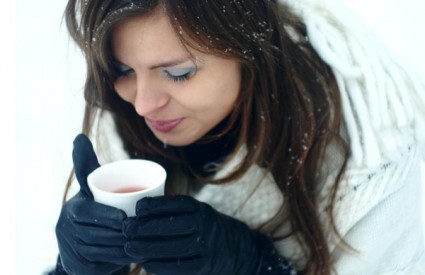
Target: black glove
{"x": 178, "y": 235}
{"x": 89, "y": 234}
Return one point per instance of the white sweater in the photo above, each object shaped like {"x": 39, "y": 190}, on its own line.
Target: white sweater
{"x": 379, "y": 201}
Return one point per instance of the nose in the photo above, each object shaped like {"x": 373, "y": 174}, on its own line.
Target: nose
{"x": 149, "y": 97}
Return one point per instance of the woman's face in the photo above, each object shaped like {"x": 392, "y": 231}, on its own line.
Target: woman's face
{"x": 180, "y": 97}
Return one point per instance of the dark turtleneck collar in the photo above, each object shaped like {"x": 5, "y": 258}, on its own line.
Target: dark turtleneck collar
{"x": 210, "y": 150}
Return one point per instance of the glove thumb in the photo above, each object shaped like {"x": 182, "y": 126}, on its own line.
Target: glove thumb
{"x": 85, "y": 162}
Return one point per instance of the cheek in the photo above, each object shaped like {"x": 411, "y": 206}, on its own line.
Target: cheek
{"x": 218, "y": 94}
{"x": 227, "y": 93}
{"x": 125, "y": 88}
{"x": 215, "y": 104}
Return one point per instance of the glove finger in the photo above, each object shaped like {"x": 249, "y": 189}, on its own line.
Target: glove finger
{"x": 161, "y": 226}
{"x": 177, "y": 266}
{"x": 164, "y": 248}
{"x": 74, "y": 263}
{"x": 92, "y": 236}
{"x": 104, "y": 254}
{"x": 162, "y": 205}
{"x": 88, "y": 212}
{"x": 85, "y": 162}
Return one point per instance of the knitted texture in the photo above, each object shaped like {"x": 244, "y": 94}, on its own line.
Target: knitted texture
{"x": 383, "y": 99}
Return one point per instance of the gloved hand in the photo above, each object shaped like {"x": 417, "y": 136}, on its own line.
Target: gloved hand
{"x": 89, "y": 234}
{"x": 178, "y": 235}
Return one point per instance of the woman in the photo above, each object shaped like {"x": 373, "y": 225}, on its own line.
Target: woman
{"x": 289, "y": 137}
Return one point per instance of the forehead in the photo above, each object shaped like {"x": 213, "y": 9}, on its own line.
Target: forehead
{"x": 151, "y": 35}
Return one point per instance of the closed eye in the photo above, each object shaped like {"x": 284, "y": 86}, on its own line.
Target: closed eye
{"x": 123, "y": 70}
{"x": 178, "y": 75}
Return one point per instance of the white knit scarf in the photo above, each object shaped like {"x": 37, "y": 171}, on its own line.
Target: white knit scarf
{"x": 383, "y": 99}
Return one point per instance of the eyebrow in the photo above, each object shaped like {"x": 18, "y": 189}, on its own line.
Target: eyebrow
{"x": 170, "y": 63}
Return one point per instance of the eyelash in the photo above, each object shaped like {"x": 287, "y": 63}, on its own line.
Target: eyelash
{"x": 124, "y": 71}
{"x": 187, "y": 74}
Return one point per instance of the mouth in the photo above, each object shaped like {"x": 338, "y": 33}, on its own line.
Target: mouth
{"x": 163, "y": 126}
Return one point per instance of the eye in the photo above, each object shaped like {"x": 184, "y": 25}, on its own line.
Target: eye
{"x": 123, "y": 70}
{"x": 178, "y": 75}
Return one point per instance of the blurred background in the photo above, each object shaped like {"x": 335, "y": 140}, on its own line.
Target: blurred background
{"x": 43, "y": 76}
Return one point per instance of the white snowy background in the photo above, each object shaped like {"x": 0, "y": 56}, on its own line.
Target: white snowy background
{"x": 42, "y": 74}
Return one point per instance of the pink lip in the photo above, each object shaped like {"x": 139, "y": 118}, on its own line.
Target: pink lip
{"x": 164, "y": 126}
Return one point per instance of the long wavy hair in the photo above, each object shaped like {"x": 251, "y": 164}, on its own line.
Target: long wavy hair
{"x": 287, "y": 113}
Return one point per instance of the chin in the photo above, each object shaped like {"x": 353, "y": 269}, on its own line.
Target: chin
{"x": 176, "y": 142}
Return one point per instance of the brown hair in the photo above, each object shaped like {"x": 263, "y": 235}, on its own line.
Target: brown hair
{"x": 288, "y": 110}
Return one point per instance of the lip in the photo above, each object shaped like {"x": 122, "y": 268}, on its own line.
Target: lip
{"x": 163, "y": 126}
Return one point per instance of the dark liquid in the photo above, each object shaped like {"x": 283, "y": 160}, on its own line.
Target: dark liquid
{"x": 129, "y": 189}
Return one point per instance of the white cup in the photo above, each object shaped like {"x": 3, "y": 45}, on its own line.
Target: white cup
{"x": 122, "y": 183}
